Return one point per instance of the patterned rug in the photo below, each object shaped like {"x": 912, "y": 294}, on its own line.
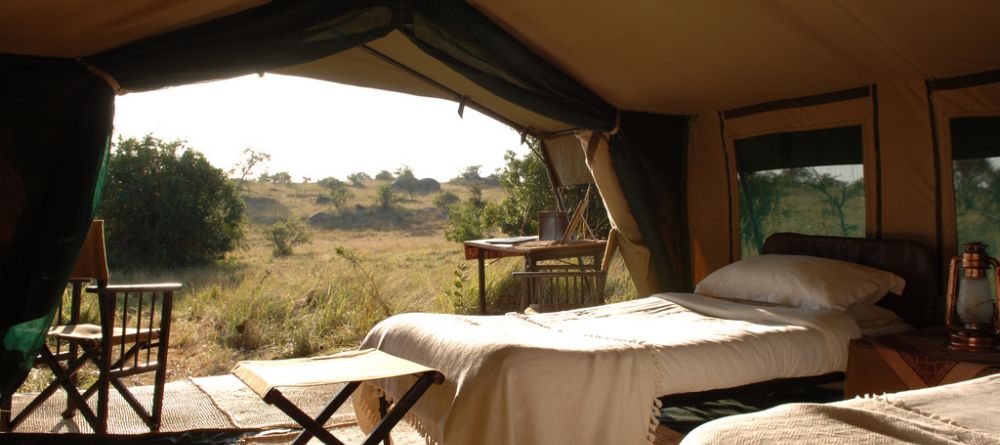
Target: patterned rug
{"x": 221, "y": 403}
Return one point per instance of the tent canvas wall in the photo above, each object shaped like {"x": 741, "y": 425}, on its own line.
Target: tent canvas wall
{"x": 658, "y": 96}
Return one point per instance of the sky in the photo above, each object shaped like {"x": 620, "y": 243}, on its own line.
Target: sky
{"x": 317, "y": 129}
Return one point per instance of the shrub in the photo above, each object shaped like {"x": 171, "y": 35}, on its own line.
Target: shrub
{"x": 285, "y": 235}
{"x": 281, "y": 178}
{"x": 526, "y": 192}
{"x": 384, "y": 175}
{"x": 404, "y": 172}
{"x": 385, "y": 198}
{"x": 358, "y": 179}
{"x": 330, "y": 182}
{"x": 444, "y": 200}
{"x": 466, "y": 221}
{"x": 166, "y": 206}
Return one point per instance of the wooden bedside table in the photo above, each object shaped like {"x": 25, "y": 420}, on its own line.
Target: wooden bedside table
{"x": 911, "y": 360}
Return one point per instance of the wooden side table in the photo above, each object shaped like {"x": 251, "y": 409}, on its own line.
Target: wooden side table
{"x": 533, "y": 250}
{"x": 911, "y": 360}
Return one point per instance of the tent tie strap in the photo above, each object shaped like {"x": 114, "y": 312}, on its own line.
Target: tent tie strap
{"x": 461, "y": 105}
{"x": 595, "y": 139}
{"x": 107, "y": 77}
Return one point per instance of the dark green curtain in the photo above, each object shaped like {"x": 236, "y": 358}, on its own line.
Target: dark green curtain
{"x": 55, "y": 125}
{"x": 649, "y": 154}
{"x": 468, "y": 42}
{"x": 796, "y": 149}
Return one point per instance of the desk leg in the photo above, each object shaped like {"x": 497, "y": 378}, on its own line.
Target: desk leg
{"x": 481, "y": 256}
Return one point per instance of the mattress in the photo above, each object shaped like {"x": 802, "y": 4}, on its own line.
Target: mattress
{"x": 554, "y": 377}
{"x": 700, "y": 343}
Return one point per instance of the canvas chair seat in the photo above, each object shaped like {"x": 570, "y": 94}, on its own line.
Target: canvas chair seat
{"x": 91, "y": 333}
{"x": 267, "y": 377}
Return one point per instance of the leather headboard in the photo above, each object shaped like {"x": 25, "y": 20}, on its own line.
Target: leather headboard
{"x": 922, "y": 302}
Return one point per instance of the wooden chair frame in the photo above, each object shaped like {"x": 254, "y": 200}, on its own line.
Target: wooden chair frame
{"x": 141, "y": 331}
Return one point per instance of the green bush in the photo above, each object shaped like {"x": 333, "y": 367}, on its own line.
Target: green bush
{"x": 165, "y": 206}
{"x": 527, "y": 191}
{"x": 358, "y": 179}
{"x": 385, "y": 199}
{"x": 285, "y": 235}
{"x": 467, "y": 221}
{"x": 444, "y": 200}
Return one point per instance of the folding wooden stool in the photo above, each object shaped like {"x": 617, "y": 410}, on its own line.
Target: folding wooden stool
{"x": 353, "y": 368}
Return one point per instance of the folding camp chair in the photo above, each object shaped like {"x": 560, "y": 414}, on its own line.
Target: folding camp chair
{"x": 134, "y": 321}
{"x": 352, "y": 368}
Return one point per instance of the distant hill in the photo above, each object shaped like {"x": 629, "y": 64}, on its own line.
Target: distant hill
{"x": 268, "y": 202}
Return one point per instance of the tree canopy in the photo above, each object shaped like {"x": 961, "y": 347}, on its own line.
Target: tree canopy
{"x": 166, "y": 206}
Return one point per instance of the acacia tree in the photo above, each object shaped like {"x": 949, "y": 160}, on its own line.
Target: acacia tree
{"x": 405, "y": 172}
{"x": 760, "y": 195}
{"x": 164, "y": 206}
{"x": 252, "y": 159}
{"x": 836, "y": 194}
{"x": 358, "y": 179}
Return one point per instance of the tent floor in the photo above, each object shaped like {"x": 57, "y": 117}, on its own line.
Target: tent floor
{"x": 221, "y": 410}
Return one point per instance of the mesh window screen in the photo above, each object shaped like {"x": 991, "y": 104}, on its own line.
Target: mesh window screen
{"x": 808, "y": 182}
{"x": 975, "y": 148}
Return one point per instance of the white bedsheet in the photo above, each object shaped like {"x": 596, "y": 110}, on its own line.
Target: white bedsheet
{"x": 554, "y": 378}
{"x": 720, "y": 344}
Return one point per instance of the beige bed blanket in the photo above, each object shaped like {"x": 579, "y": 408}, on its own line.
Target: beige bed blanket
{"x": 508, "y": 378}
{"x": 590, "y": 376}
{"x": 964, "y": 413}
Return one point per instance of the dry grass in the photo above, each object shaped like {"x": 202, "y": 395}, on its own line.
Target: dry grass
{"x": 257, "y": 306}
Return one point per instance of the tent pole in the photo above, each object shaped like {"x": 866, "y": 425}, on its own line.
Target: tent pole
{"x": 554, "y": 179}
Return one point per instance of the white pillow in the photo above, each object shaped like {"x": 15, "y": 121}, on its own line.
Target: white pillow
{"x": 801, "y": 281}
{"x": 875, "y": 321}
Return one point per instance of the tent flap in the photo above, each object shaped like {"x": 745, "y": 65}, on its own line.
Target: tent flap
{"x": 272, "y": 36}
{"x": 649, "y": 154}
{"x": 55, "y": 126}
{"x": 283, "y": 34}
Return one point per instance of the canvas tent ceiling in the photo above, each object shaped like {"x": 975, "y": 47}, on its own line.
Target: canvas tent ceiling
{"x": 654, "y": 78}
{"x": 670, "y": 57}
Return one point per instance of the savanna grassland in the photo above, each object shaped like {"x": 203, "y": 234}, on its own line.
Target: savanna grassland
{"x": 330, "y": 291}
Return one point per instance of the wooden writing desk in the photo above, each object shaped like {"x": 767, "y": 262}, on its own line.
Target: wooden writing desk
{"x": 533, "y": 252}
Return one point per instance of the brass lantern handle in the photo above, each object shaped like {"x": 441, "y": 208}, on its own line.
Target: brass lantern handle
{"x": 952, "y": 290}
{"x": 996, "y": 307}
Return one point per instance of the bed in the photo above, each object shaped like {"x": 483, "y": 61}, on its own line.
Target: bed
{"x": 597, "y": 375}
{"x": 959, "y": 413}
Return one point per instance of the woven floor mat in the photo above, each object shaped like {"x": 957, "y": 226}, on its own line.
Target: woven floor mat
{"x": 246, "y": 410}
{"x": 224, "y": 403}
{"x": 185, "y": 407}
{"x": 402, "y": 434}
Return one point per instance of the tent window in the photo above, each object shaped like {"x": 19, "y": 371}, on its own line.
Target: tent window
{"x": 809, "y": 182}
{"x": 975, "y": 148}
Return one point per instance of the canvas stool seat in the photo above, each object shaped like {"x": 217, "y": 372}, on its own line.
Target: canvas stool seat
{"x": 92, "y": 333}
{"x": 266, "y": 377}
